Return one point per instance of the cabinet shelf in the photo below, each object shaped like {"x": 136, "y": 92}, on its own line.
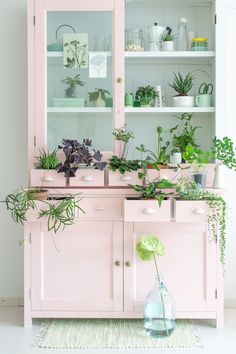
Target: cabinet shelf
{"x": 164, "y": 110}
{"x": 95, "y": 110}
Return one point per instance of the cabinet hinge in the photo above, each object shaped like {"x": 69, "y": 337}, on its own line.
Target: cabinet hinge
{"x": 34, "y": 140}
{"x": 215, "y": 293}
{"x": 30, "y": 238}
{"x": 215, "y": 19}
{"x": 34, "y": 20}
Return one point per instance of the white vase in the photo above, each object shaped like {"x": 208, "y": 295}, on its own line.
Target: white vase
{"x": 183, "y": 101}
{"x": 99, "y": 102}
{"x": 168, "y": 46}
{"x": 218, "y": 177}
{"x": 176, "y": 158}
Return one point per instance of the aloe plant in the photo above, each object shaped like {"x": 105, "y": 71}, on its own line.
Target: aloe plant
{"x": 47, "y": 160}
{"x": 182, "y": 84}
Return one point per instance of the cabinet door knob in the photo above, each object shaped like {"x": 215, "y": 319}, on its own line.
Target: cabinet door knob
{"x": 119, "y": 80}
{"x": 117, "y": 263}
{"x": 87, "y": 178}
{"x": 48, "y": 179}
{"x": 99, "y": 208}
{"x": 128, "y": 264}
{"x": 148, "y": 211}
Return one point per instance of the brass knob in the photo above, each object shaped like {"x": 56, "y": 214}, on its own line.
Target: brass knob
{"x": 119, "y": 80}
{"x": 128, "y": 264}
{"x": 117, "y": 263}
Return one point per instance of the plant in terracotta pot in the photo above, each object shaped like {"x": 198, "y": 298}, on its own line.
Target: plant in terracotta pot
{"x": 146, "y": 95}
{"x": 123, "y": 138}
{"x": 98, "y": 97}
{"x": 168, "y": 41}
{"x": 182, "y": 85}
{"x": 224, "y": 152}
{"x": 161, "y": 157}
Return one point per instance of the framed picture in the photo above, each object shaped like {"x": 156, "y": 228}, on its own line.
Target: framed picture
{"x": 75, "y": 50}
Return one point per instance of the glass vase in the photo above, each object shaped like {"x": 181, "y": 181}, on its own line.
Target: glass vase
{"x": 159, "y": 311}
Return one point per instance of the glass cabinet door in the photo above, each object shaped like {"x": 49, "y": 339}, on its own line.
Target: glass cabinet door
{"x": 78, "y": 72}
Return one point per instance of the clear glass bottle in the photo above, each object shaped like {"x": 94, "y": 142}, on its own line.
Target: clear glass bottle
{"x": 134, "y": 40}
{"x": 182, "y": 43}
{"x": 159, "y": 311}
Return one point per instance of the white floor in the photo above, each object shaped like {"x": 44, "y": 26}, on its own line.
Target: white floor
{"x": 14, "y": 339}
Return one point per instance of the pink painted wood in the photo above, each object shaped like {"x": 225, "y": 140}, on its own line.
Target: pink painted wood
{"x": 118, "y": 180}
{"x": 146, "y": 211}
{"x": 87, "y": 178}
{"x": 101, "y": 208}
{"x": 47, "y": 178}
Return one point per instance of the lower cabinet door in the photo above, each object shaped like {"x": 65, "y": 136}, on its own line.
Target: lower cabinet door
{"x": 188, "y": 266}
{"x": 78, "y": 269}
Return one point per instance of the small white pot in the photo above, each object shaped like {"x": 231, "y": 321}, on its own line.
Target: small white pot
{"x": 176, "y": 158}
{"x": 183, "y": 101}
{"x": 99, "y": 102}
{"x": 168, "y": 46}
{"x": 218, "y": 177}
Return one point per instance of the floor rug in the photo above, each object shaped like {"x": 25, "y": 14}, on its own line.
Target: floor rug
{"x": 97, "y": 333}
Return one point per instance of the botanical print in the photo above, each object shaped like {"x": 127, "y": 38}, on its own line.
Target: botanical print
{"x": 75, "y": 47}
{"x": 98, "y": 65}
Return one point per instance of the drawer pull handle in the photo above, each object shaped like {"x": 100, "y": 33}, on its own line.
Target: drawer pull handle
{"x": 99, "y": 208}
{"x": 199, "y": 211}
{"x": 148, "y": 211}
{"x": 117, "y": 263}
{"x": 87, "y": 178}
{"x": 48, "y": 179}
{"x": 128, "y": 264}
{"x": 125, "y": 178}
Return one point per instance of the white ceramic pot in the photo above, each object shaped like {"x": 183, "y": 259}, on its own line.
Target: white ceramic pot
{"x": 183, "y": 101}
{"x": 218, "y": 177}
{"x": 176, "y": 158}
{"x": 99, "y": 102}
{"x": 168, "y": 46}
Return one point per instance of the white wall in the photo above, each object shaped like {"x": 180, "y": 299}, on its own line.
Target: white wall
{"x": 13, "y": 149}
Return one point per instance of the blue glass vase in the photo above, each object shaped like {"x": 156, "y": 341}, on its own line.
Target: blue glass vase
{"x": 159, "y": 311}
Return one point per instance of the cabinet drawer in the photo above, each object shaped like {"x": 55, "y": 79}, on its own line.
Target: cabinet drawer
{"x": 47, "y": 178}
{"x": 101, "y": 208}
{"x": 88, "y": 178}
{"x": 117, "y": 179}
{"x": 145, "y": 210}
{"x": 191, "y": 211}
{"x": 167, "y": 173}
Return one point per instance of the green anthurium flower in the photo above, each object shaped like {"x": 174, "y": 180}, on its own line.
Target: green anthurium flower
{"x": 148, "y": 246}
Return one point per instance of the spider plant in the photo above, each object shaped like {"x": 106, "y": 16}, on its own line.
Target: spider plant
{"x": 182, "y": 84}
{"x": 47, "y": 160}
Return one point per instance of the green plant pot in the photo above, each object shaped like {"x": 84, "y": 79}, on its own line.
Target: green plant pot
{"x": 109, "y": 102}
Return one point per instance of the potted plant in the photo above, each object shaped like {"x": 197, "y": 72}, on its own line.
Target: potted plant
{"x": 183, "y": 134}
{"x": 146, "y": 95}
{"x": 176, "y": 156}
{"x": 98, "y": 97}
{"x": 224, "y": 154}
{"x": 182, "y": 85}
{"x": 79, "y": 155}
{"x": 47, "y": 160}
{"x": 161, "y": 158}
{"x": 167, "y": 41}
{"x": 123, "y": 165}
{"x": 198, "y": 158}
{"x": 59, "y": 212}
{"x": 123, "y": 138}
{"x": 159, "y": 306}
{"x": 71, "y": 99}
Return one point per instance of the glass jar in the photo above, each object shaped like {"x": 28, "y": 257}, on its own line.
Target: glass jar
{"x": 134, "y": 41}
{"x": 182, "y": 37}
{"x": 199, "y": 44}
{"x": 159, "y": 311}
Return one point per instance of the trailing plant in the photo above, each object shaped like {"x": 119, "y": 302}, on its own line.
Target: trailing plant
{"x": 71, "y": 82}
{"x": 61, "y": 213}
{"x": 154, "y": 190}
{"x": 123, "y": 165}
{"x": 167, "y": 37}
{"x": 196, "y": 157}
{"x": 146, "y": 95}
{"x": 224, "y": 151}
{"x": 189, "y": 190}
{"x": 184, "y": 133}
{"x": 93, "y": 96}
{"x": 47, "y": 160}
{"x": 182, "y": 84}
{"x": 79, "y": 153}
{"x": 161, "y": 157}
{"x": 123, "y": 136}
{"x": 148, "y": 247}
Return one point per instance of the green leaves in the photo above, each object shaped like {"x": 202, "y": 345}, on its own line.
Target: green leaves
{"x": 72, "y": 81}
{"x": 196, "y": 156}
{"x": 19, "y": 203}
{"x": 149, "y": 246}
{"x": 224, "y": 151}
{"x": 122, "y": 134}
{"x": 47, "y": 160}
{"x": 146, "y": 94}
{"x": 182, "y": 85}
{"x": 123, "y": 165}
{"x": 93, "y": 96}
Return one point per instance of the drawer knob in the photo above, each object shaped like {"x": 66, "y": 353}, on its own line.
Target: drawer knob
{"x": 48, "y": 179}
{"x": 119, "y": 80}
{"x": 117, "y": 263}
{"x": 99, "y": 208}
{"x": 199, "y": 211}
{"x": 125, "y": 178}
{"x": 128, "y": 264}
{"x": 148, "y": 211}
{"x": 87, "y": 178}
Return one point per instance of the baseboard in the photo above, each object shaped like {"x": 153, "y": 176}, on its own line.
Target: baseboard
{"x": 11, "y": 301}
